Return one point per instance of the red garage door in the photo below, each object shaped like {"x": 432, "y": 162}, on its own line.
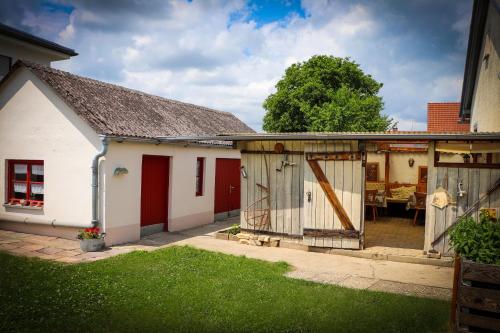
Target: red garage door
{"x": 227, "y": 185}
{"x": 154, "y": 190}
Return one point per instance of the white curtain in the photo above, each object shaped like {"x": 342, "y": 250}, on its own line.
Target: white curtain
{"x": 20, "y": 187}
{"x": 37, "y": 170}
{"x": 21, "y": 168}
{"x": 37, "y": 188}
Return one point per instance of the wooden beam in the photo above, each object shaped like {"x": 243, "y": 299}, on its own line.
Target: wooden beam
{"x": 272, "y": 152}
{"x": 386, "y": 169}
{"x": 330, "y": 194}
{"x": 336, "y": 156}
{"x": 340, "y": 233}
{"x": 467, "y": 165}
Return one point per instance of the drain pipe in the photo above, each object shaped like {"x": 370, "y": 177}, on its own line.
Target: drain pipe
{"x": 95, "y": 180}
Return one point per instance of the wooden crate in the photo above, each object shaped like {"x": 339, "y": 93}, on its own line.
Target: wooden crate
{"x": 478, "y": 298}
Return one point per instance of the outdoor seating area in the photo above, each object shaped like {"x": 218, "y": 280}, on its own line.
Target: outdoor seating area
{"x": 394, "y": 232}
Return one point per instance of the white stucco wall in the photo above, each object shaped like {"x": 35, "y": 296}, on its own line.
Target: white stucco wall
{"x": 36, "y": 125}
{"x": 486, "y": 101}
{"x": 185, "y": 209}
{"x": 399, "y": 170}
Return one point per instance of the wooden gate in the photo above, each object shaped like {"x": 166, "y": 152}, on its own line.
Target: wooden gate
{"x": 333, "y": 187}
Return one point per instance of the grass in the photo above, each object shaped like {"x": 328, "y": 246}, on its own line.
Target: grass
{"x": 182, "y": 289}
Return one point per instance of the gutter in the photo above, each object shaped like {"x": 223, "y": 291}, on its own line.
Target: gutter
{"x": 486, "y": 136}
{"x": 193, "y": 141}
{"x": 95, "y": 181}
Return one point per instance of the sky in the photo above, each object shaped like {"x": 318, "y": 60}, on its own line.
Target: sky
{"x": 228, "y": 55}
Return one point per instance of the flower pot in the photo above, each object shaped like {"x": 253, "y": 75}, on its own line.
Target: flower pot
{"x": 92, "y": 244}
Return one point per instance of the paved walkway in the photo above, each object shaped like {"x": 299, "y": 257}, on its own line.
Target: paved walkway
{"x": 352, "y": 272}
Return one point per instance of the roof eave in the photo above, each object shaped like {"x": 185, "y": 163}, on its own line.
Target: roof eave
{"x": 476, "y": 32}
{"x": 41, "y": 42}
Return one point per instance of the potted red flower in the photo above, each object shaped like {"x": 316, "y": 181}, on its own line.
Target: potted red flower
{"x": 91, "y": 239}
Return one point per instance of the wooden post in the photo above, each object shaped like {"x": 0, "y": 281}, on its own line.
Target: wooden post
{"x": 456, "y": 281}
{"x": 387, "y": 166}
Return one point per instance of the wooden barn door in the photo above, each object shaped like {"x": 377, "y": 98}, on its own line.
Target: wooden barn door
{"x": 227, "y": 185}
{"x": 154, "y": 190}
{"x": 333, "y": 187}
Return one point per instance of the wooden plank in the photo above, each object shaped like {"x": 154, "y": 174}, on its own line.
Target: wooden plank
{"x": 243, "y": 191}
{"x": 273, "y": 191}
{"x": 332, "y": 233}
{"x": 259, "y": 193}
{"x": 473, "y": 194}
{"x": 347, "y": 199}
{"x": 484, "y": 185}
{"x": 440, "y": 214}
{"x": 387, "y": 166}
{"x": 329, "y": 213}
{"x": 301, "y": 192}
{"x": 468, "y": 165}
{"x": 318, "y": 198}
{"x": 357, "y": 196}
{"x": 451, "y": 209}
{"x": 322, "y": 200}
{"x": 287, "y": 189}
{"x": 495, "y": 196}
{"x": 252, "y": 188}
{"x": 429, "y": 211}
{"x": 295, "y": 172}
{"x": 479, "y": 321}
{"x": 479, "y": 298}
{"x": 480, "y": 272}
{"x": 338, "y": 187}
{"x": 271, "y": 152}
{"x": 324, "y": 155}
{"x": 308, "y": 204}
{"x": 271, "y": 233}
{"x": 330, "y": 193}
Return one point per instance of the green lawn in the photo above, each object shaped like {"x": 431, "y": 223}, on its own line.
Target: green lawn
{"x": 185, "y": 289}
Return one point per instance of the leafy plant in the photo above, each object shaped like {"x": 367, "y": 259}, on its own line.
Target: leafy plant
{"x": 477, "y": 241}
{"x": 235, "y": 229}
{"x": 90, "y": 233}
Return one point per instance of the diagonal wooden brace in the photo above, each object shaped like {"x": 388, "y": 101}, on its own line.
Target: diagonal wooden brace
{"x": 330, "y": 194}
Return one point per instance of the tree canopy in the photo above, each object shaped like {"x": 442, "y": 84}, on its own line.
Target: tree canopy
{"x": 325, "y": 94}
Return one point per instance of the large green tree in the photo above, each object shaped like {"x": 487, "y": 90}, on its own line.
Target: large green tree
{"x": 325, "y": 94}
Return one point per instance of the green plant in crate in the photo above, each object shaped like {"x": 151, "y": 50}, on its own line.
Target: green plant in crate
{"x": 235, "y": 229}
{"x": 477, "y": 241}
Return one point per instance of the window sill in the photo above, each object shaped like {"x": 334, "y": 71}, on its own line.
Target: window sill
{"x": 6, "y": 205}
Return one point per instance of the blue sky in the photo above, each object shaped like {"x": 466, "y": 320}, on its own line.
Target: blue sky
{"x": 229, "y": 54}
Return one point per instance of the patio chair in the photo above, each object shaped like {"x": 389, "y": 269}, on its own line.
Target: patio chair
{"x": 420, "y": 199}
{"x": 371, "y": 201}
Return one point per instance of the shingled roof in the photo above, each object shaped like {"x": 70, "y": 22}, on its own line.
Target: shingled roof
{"x": 114, "y": 110}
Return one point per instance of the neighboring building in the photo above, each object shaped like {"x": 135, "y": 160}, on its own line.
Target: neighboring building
{"x": 54, "y": 125}
{"x": 445, "y": 117}
{"x": 16, "y": 45}
{"x": 481, "y": 87}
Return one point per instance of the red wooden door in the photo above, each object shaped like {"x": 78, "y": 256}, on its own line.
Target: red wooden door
{"x": 227, "y": 185}
{"x": 154, "y": 190}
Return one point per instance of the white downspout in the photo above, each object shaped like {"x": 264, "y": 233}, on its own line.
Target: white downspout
{"x": 95, "y": 181}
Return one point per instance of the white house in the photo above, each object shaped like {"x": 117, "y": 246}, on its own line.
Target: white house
{"x": 16, "y": 44}
{"x": 77, "y": 152}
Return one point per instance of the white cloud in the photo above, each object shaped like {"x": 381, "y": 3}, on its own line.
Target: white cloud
{"x": 193, "y": 52}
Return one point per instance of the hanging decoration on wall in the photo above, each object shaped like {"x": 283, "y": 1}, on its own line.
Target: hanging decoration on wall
{"x": 284, "y": 163}
{"x": 411, "y": 162}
